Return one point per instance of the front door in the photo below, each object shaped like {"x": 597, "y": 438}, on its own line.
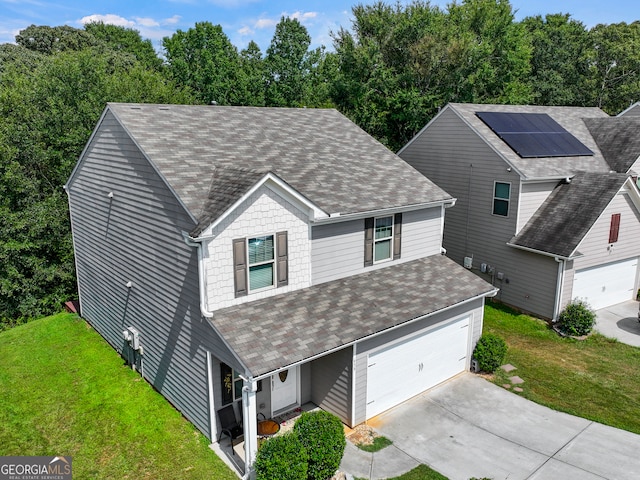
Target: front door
{"x": 284, "y": 390}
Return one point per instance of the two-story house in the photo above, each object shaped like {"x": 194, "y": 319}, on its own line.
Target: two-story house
{"x": 267, "y": 258}
{"x": 547, "y": 203}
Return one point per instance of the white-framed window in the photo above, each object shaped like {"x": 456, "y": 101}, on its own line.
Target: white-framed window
{"x": 261, "y": 262}
{"x": 501, "y": 198}
{"x": 383, "y": 239}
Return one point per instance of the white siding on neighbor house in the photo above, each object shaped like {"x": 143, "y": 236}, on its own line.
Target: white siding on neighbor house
{"x": 337, "y": 249}
{"x": 532, "y": 195}
{"x": 635, "y": 169}
{"x": 473, "y": 309}
{"x": 263, "y": 213}
{"x": 136, "y": 237}
{"x": 596, "y": 248}
{"x": 453, "y": 156}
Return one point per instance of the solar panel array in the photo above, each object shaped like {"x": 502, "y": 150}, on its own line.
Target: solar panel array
{"x": 533, "y": 135}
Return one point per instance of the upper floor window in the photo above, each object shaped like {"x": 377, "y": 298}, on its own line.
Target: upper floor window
{"x": 501, "y": 198}
{"x": 382, "y": 238}
{"x": 260, "y": 262}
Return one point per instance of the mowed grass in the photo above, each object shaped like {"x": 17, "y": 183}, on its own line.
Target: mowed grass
{"x": 597, "y": 378}
{"x": 65, "y": 391}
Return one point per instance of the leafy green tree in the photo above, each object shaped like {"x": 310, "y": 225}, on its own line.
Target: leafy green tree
{"x": 560, "y": 60}
{"x": 615, "y": 66}
{"x": 49, "y": 40}
{"x": 252, "y": 78}
{"x": 204, "y": 59}
{"x": 402, "y": 63}
{"x": 286, "y": 64}
{"x": 46, "y": 117}
{"x": 123, "y": 39}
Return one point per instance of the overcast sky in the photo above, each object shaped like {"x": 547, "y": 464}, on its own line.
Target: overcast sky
{"x": 245, "y": 20}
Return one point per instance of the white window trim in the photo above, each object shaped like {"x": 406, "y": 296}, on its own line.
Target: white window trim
{"x": 272, "y": 261}
{"x": 494, "y": 198}
{"x": 392, "y": 217}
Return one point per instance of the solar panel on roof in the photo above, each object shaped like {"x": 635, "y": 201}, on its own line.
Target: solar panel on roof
{"x": 533, "y": 135}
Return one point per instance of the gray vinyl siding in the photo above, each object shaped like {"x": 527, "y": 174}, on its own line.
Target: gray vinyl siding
{"x": 453, "y": 156}
{"x": 337, "y": 249}
{"x": 476, "y": 311}
{"x": 136, "y": 237}
{"x": 595, "y": 246}
{"x": 532, "y": 195}
{"x": 331, "y": 383}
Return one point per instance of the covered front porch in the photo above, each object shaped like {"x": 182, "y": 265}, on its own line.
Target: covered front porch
{"x": 233, "y": 452}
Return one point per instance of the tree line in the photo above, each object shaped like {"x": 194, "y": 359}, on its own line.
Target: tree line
{"x": 390, "y": 72}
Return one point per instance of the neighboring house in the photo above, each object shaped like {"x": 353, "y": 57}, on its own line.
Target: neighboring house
{"x": 633, "y": 110}
{"x": 270, "y": 256}
{"x": 547, "y": 208}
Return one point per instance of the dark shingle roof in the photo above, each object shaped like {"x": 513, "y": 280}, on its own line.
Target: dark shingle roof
{"x": 284, "y": 329}
{"x": 562, "y": 221}
{"x": 618, "y": 139}
{"x": 318, "y": 152}
{"x": 571, "y": 118}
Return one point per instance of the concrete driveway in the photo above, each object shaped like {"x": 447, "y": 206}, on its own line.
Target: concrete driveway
{"x": 469, "y": 427}
{"x": 621, "y": 322}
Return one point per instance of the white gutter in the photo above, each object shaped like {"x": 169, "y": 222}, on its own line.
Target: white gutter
{"x": 559, "y": 288}
{"x": 489, "y": 294}
{"x": 540, "y": 252}
{"x": 338, "y": 217}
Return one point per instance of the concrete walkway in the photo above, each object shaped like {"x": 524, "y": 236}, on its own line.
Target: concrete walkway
{"x": 620, "y": 322}
{"x": 469, "y": 427}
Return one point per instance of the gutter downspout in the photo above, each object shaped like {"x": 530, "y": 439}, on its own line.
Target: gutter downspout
{"x": 201, "y": 274}
{"x": 559, "y": 288}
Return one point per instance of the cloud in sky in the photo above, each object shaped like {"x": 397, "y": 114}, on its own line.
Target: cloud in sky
{"x": 110, "y": 18}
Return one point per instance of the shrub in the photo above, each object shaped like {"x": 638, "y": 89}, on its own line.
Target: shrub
{"x": 282, "y": 457}
{"x": 577, "y": 318}
{"x": 489, "y": 352}
{"x": 322, "y": 434}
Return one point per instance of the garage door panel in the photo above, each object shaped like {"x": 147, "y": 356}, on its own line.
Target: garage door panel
{"x": 606, "y": 285}
{"x": 403, "y": 370}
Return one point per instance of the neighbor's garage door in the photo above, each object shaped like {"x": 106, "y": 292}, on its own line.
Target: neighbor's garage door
{"x": 403, "y": 370}
{"x": 606, "y": 285}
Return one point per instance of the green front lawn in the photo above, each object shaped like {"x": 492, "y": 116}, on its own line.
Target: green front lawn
{"x": 598, "y": 378}
{"x": 65, "y": 391}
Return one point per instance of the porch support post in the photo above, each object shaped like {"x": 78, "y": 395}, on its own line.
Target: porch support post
{"x": 250, "y": 423}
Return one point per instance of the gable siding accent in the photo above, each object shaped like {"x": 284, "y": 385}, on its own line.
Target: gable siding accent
{"x": 474, "y": 309}
{"x": 459, "y": 161}
{"x": 331, "y": 383}
{"x": 262, "y": 213}
{"x": 532, "y": 196}
{"x": 136, "y": 236}
{"x": 240, "y": 266}
{"x": 595, "y": 246}
{"x": 338, "y": 248}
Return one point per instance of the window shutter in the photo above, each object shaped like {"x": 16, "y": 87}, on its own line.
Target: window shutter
{"x": 282, "y": 253}
{"x": 614, "y": 230}
{"x": 397, "y": 234}
{"x": 368, "y": 242}
{"x": 240, "y": 266}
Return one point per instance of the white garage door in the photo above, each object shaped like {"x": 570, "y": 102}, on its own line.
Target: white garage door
{"x": 403, "y": 370}
{"x": 607, "y": 284}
